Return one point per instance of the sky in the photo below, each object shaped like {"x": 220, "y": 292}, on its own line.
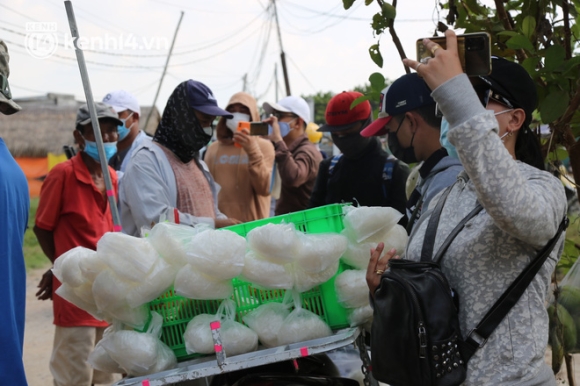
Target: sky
{"x": 219, "y": 42}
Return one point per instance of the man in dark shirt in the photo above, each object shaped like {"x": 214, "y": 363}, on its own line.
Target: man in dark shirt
{"x": 364, "y": 172}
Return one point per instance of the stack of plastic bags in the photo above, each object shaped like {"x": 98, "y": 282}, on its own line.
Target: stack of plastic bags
{"x": 132, "y": 352}
{"x": 280, "y": 257}
{"x": 276, "y": 325}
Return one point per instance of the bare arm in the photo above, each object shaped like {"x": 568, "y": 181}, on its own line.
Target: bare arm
{"x": 46, "y": 241}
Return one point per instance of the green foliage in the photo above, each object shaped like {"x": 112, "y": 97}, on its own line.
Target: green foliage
{"x": 347, "y": 3}
{"x": 33, "y": 256}
{"x": 375, "y": 54}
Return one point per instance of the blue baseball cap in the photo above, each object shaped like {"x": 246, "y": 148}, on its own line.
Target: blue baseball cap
{"x": 201, "y": 99}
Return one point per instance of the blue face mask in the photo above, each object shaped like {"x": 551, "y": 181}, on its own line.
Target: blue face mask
{"x": 91, "y": 150}
{"x": 123, "y": 130}
{"x": 284, "y": 128}
{"x": 444, "y": 141}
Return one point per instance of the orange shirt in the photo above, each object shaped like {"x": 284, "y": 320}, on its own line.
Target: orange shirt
{"x": 75, "y": 211}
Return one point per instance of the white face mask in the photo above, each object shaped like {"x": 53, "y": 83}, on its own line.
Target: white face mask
{"x": 232, "y": 123}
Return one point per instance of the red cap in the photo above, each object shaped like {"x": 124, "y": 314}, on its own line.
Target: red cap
{"x": 339, "y": 116}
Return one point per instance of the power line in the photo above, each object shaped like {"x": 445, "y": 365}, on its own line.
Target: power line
{"x": 301, "y": 73}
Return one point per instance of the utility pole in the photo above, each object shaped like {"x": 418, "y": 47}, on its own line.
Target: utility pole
{"x": 164, "y": 71}
{"x": 245, "y": 80}
{"x": 282, "y": 56}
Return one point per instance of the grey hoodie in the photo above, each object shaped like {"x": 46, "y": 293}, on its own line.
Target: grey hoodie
{"x": 523, "y": 207}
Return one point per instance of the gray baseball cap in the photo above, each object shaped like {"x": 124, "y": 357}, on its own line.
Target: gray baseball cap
{"x": 7, "y": 105}
{"x": 103, "y": 111}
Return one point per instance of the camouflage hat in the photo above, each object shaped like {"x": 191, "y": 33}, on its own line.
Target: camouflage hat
{"x": 7, "y": 105}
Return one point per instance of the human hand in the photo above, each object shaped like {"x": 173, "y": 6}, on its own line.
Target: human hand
{"x": 245, "y": 139}
{"x": 225, "y": 222}
{"x": 275, "y": 136}
{"x": 45, "y": 285}
{"x": 444, "y": 66}
{"x": 377, "y": 266}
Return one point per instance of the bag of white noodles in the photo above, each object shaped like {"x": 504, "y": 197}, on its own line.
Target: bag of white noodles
{"x": 155, "y": 283}
{"x": 236, "y": 338}
{"x": 277, "y": 243}
{"x": 267, "y": 319}
{"x": 358, "y": 255}
{"x": 131, "y": 258}
{"x": 69, "y": 294}
{"x": 320, "y": 251}
{"x": 141, "y": 353}
{"x": 362, "y": 316}
{"x": 369, "y": 223}
{"x": 100, "y": 359}
{"x": 67, "y": 267}
{"x": 301, "y": 325}
{"x": 192, "y": 284}
{"x": 265, "y": 274}
{"x": 169, "y": 240}
{"x": 217, "y": 253}
{"x": 397, "y": 238}
{"x": 305, "y": 281}
{"x": 351, "y": 288}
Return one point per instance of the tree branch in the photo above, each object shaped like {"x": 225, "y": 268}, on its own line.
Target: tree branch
{"x": 395, "y": 37}
{"x": 504, "y": 18}
{"x": 567, "y": 33}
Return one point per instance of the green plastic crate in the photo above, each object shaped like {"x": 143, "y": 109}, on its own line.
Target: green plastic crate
{"x": 177, "y": 311}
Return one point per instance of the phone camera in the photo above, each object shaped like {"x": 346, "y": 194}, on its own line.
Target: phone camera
{"x": 475, "y": 44}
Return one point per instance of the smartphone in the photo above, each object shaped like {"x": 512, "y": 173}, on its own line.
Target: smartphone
{"x": 258, "y": 128}
{"x": 474, "y": 51}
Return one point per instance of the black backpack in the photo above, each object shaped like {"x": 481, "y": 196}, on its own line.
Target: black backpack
{"x": 416, "y": 338}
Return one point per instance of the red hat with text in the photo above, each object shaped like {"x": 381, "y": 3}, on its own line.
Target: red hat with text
{"x": 340, "y": 116}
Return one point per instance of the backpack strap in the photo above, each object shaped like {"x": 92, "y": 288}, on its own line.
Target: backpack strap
{"x": 388, "y": 170}
{"x": 333, "y": 163}
{"x": 479, "y": 335}
{"x": 431, "y": 231}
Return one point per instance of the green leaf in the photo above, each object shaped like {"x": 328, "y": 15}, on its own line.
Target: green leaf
{"x": 531, "y": 64}
{"x": 529, "y": 26}
{"x": 507, "y": 33}
{"x": 559, "y": 154}
{"x": 379, "y": 23}
{"x": 347, "y": 3}
{"x": 389, "y": 12}
{"x": 519, "y": 41}
{"x": 375, "y": 54}
{"x": 555, "y": 56}
{"x": 377, "y": 81}
{"x": 368, "y": 2}
{"x": 553, "y": 106}
{"x": 359, "y": 100}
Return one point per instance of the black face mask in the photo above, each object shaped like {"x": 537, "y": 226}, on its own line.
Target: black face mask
{"x": 352, "y": 146}
{"x": 406, "y": 155}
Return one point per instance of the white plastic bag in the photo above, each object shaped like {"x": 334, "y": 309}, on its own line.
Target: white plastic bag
{"x": 169, "y": 241}
{"x": 134, "y": 317}
{"x": 195, "y": 285}
{"x": 110, "y": 291}
{"x": 266, "y": 321}
{"x": 320, "y": 251}
{"x": 157, "y": 282}
{"x": 67, "y": 293}
{"x": 139, "y": 353}
{"x": 67, "y": 269}
{"x": 100, "y": 359}
{"x": 351, "y": 288}
{"x": 396, "y": 238}
{"x": 304, "y": 281}
{"x": 361, "y": 316}
{"x": 217, "y": 253}
{"x": 301, "y": 325}
{"x": 236, "y": 338}
{"x": 131, "y": 258}
{"x": 277, "y": 243}
{"x": 91, "y": 266}
{"x": 358, "y": 255}
{"x": 369, "y": 223}
{"x": 265, "y": 274}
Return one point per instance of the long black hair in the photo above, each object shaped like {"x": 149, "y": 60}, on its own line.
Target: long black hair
{"x": 528, "y": 148}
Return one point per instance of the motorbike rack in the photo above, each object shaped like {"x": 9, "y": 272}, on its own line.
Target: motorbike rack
{"x": 218, "y": 364}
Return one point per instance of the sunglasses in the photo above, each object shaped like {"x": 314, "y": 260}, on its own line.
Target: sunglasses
{"x": 487, "y": 94}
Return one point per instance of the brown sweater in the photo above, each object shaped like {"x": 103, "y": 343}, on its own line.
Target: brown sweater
{"x": 244, "y": 178}
{"x": 298, "y": 167}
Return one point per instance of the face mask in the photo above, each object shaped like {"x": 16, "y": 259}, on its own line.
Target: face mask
{"x": 352, "y": 146}
{"x": 91, "y": 150}
{"x": 406, "y": 155}
{"x": 284, "y": 128}
{"x": 123, "y": 130}
{"x": 232, "y": 123}
{"x": 208, "y": 131}
{"x": 444, "y": 141}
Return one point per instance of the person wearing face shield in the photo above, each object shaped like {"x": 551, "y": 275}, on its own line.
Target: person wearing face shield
{"x": 165, "y": 177}
{"x": 73, "y": 211}
{"x": 241, "y": 163}
{"x": 130, "y": 136}
{"x": 407, "y": 115}
{"x": 364, "y": 173}
{"x": 297, "y": 158}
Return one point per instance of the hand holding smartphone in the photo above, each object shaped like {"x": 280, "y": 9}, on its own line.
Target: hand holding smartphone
{"x": 474, "y": 50}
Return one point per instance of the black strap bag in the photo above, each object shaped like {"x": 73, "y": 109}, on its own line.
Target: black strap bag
{"x": 415, "y": 338}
